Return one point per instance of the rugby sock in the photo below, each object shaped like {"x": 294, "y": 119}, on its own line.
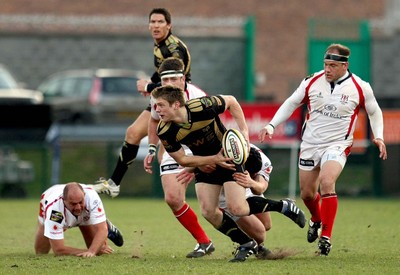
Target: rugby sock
{"x": 126, "y": 157}
{"x": 329, "y": 208}
{"x": 188, "y": 218}
{"x": 314, "y": 208}
{"x": 229, "y": 228}
{"x": 259, "y": 205}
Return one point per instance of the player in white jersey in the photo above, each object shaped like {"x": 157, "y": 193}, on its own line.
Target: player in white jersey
{"x": 171, "y": 73}
{"x": 64, "y": 206}
{"x": 334, "y": 97}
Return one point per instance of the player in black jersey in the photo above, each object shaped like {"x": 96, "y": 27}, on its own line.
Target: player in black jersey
{"x": 196, "y": 124}
{"x": 165, "y": 45}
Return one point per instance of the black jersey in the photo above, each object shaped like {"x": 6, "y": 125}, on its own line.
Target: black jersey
{"x": 204, "y": 131}
{"x": 171, "y": 46}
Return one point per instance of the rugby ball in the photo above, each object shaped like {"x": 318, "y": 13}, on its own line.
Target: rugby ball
{"x": 235, "y": 146}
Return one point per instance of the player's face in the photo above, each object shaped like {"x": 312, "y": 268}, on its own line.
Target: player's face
{"x": 174, "y": 81}
{"x": 158, "y": 26}
{"x": 75, "y": 203}
{"x": 164, "y": 110}
{"x": 334, "y": 70}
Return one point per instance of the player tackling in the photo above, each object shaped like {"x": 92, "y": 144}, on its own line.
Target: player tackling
{"x": 333, "y": 97}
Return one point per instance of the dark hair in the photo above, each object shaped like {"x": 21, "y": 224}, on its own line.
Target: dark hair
{"x": 341, "y": 49}
{"x": 254, "y": 162}
{"x": 162, "y": 11}
{"x": 169, "y": 93}
{"x": 171, "y": 63}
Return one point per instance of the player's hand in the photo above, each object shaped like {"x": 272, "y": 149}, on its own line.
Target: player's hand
{"x": 267, "y": 130}
{"x": 141, "y": 85}
{"x": 243, "y": 179}
{"x": 382, "y": 148}
{"x": 186, "y": 175}
{"x": 86, "y": 254}
{"x": 106, "y": 249}
{"x": 149, "y": 158}
{"x": 209, "y": 168}
{"x": 224, "y": 162}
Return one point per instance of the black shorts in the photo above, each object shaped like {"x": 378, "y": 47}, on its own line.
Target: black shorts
{"x": 218, "y": 177}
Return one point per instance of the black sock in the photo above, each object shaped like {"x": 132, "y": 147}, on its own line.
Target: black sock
{"x": 229, "y": 228}
{"x": 259, "y": 205}
{"x": 126, "y": 157}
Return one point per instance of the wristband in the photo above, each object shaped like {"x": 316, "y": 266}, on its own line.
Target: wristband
{"x": 272, "y": 125}
{"x": 152, "y": 149}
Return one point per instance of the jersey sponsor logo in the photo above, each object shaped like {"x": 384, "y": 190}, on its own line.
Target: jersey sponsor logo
{"x": 344, "y": 99}
{"x": 330, "y": 107}
{"x": 169, "y": 167}
{"x": 56, "y": 216}
{"x": 206, "y": 101}
{"x": 329, "y": 111}
{"x": 198, "y": 142}
{"x": 307, "y": 162}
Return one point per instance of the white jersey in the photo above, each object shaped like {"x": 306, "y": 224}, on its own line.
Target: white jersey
{"x": 168, "y": 164}
{"x": 265, "y": 172}
{"x": 56, "y": 218}
{"x": 332, "y": 114}
{"x": 192, "y": 91}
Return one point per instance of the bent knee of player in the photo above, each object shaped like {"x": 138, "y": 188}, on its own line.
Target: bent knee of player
{"x": 238, "y": 209}
{"x": 134, "y": 135}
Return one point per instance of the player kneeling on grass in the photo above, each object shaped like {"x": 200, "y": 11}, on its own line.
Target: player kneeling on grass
{"x": 69, "y": 205}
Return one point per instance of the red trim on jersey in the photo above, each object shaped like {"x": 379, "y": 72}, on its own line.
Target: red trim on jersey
{"x": 347, "y": 151}
{"x": 50, "y": 204}
{"x": 357, "y": 109}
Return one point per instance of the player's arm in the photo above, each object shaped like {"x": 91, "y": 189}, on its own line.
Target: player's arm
{"x": 153, "y": 141}
{"x": 60, "y": 249}
{"x": 284, "y": 112}
{"x": 376, "y": 120}
{"x": 236, "y": 111}
{"x": 258, "y": 184}
{"x": 99, "y": 239}
{"x": 194, "y": 161}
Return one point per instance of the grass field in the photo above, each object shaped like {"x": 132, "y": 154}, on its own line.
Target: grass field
{"x": 366, "y": 240}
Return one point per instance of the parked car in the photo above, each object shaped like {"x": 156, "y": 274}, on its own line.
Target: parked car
{"x": 94, "y": 95}
{"x": 11, "y": 92}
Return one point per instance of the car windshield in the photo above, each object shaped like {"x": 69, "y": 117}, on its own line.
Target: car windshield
{"x": 120, "y": 85}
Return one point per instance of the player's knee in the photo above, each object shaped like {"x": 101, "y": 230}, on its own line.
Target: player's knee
{"x": 237, "y": 210}
{"x": 133, "y": 136}
{"x": 173, "y": 201}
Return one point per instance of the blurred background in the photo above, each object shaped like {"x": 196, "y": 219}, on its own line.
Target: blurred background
{"x": 258, "y": 52}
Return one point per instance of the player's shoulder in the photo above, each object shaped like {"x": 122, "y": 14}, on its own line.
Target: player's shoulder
{"x": 194, "y": 91}
{"x": 313, "y": 75}
{"x": 205, "y": 102}
{"x": 173, "y": 42}
{"x": 163, "y": 127}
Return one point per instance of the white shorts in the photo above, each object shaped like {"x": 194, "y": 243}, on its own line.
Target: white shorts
{"x": 169, "y": 165}
{"x": 312, "y": 156}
